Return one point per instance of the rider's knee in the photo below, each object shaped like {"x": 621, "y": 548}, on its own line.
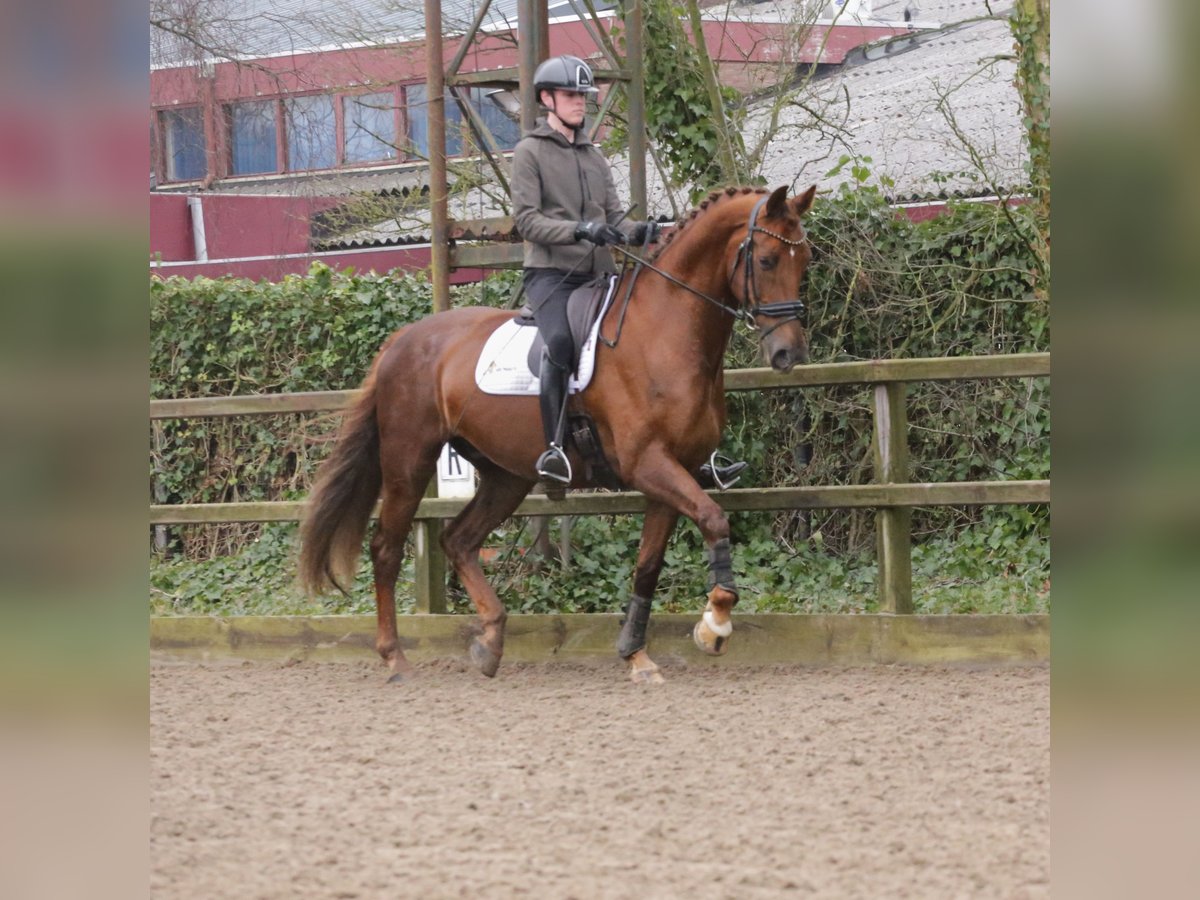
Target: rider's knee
{"x": 559, "y": 348}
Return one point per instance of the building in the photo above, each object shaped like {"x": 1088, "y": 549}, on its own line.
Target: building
{"x": 269, "y": 120}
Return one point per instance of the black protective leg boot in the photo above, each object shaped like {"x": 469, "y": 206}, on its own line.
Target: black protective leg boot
{"x": 553, "y": 464}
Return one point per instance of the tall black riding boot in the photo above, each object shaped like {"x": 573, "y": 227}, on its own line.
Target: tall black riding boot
{"x": 553, "y": 464}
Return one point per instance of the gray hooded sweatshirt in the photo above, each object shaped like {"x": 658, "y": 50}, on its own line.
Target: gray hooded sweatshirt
{"x": 555, "y": 186}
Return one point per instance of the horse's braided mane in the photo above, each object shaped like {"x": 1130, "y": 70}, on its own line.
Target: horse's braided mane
{"x": 712, "y": 199}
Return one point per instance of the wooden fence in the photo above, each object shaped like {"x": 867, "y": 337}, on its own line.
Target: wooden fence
{"x": 891, "y": 497}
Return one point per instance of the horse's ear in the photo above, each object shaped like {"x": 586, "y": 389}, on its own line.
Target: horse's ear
{"x": 801, "y": 204}
{"x": 777, "y": 203}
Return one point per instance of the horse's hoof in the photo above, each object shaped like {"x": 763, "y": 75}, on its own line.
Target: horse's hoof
{"x": 642, "y": 669}
{"x": 485, "y": 660}
{"x": 646, "y": 676}
{"x": 708, "y": 640}
{"x": 400, "y": 678}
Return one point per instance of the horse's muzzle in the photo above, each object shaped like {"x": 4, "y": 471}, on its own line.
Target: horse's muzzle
{"x": 786, "y": 358}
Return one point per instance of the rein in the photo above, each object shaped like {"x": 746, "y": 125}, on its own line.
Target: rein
{"x": 785, "y": 310}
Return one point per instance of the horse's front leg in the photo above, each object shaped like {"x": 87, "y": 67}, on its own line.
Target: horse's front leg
{"x": 631, "y": 643}
{"x": 663, "y": 479}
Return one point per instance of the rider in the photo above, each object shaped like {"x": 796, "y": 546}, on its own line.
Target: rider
{"x": 567, "y": 211}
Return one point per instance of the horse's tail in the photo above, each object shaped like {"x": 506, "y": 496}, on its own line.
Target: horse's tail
{"x": 345, "y": 492}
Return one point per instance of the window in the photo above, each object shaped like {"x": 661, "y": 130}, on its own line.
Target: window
{"x": 183, "y": 144}
{"x": 370, "y": 127}
{"x": 311, "y": 133}
{"x": 505, "y": 130}
{"x": 418, "y": 122}
{"x": 252, "y": 138}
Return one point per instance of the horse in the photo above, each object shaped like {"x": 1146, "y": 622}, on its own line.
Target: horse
{"x": 656, "y": 398}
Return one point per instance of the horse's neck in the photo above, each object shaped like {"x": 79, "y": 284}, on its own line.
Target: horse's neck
{"x": 677, "y": 316}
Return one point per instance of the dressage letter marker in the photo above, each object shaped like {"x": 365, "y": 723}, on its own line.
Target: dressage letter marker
{"x": 456, "y": 476}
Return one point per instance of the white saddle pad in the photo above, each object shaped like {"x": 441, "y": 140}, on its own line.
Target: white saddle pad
{"x": 503, "y": 366}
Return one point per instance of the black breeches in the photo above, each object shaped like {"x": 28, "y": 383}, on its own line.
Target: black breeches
{"x": 547, "y": 291}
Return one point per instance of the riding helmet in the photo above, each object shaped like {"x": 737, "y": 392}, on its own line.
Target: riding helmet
{"x": 564, "y": 73}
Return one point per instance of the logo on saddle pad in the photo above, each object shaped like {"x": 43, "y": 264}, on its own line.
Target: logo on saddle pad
{"x": 510, "y": 360}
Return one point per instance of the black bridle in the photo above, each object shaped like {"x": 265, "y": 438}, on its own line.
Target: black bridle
{"x": 784, "y": 310}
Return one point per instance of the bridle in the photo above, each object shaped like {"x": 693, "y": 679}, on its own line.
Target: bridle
{"x": 784, "y": 310}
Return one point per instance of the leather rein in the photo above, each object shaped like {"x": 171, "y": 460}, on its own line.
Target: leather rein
{"x": 784, "y": 310}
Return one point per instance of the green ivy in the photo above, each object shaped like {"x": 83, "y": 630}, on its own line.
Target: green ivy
{"x": 678, "y": 112}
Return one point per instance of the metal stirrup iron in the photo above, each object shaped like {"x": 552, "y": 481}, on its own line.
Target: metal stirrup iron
{"x": 716, "y": 473}
{"x": 555, "y": 451}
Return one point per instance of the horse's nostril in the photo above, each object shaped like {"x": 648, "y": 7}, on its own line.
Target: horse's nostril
{"x": 782, "y": 361}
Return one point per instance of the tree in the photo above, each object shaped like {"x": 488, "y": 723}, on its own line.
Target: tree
{"x": 1031, "y": 28}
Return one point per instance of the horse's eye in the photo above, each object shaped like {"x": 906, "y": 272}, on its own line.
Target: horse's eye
{"x": 766, "y": 262}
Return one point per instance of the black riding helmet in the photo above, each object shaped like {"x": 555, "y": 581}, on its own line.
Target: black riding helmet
{"x": 564, "y": 73}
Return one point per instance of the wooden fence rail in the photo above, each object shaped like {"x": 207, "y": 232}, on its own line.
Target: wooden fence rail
{"x": 892, "y": 497}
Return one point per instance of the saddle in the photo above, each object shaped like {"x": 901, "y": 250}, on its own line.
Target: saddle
{"x": 511, "y": 359}
{"x": 583, "y": 309}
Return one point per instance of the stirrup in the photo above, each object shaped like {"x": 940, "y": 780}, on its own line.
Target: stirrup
{"x": 720, "y": 472}
{"x": 554, "y": 455}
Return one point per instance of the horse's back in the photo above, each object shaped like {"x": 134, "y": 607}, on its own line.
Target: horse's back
{"x": 434, "y": 358}
{"x": 453, "y": 331}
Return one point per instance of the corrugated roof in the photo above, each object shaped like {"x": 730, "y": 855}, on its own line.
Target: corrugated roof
{"x": 248, "y": 29}
{"x": 884, "y": 104}
{"x": 938, "y": 113}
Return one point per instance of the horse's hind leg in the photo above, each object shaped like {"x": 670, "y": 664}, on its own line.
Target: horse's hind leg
{"x": 500, "y": 493}
{"x": 402, "y": 492}
{"x": 631, "y": 643}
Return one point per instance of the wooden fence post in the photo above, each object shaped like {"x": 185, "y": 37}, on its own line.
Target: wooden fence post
{"x": 893, "y": 524}
{"x": 429, "y": 561}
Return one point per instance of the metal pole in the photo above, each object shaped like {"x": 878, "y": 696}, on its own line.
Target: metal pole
{"x": 527, "y": 41}
{"x": 541, "y": 9}
{"x": 634, "y": 56}
{"x": 435, "y": 87}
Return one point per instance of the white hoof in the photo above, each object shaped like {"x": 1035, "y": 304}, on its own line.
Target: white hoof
{"x": 710, "y": 637}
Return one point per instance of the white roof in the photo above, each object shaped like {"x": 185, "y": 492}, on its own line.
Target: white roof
{"x": 894, "y": 102}
{"x": 255, "y": 29}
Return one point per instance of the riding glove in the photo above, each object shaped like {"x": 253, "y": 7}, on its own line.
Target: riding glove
{"x": 599, "y": 233}
{"x": 645, "y": 233}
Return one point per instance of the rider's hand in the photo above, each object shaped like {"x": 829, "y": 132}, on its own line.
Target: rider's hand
{"x": 599, "y": 233}
{"x": 645, "y": 233}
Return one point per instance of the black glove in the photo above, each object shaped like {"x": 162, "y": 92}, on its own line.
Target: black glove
{"x": 645, "y": 233}
{"x": 599, "y": 233}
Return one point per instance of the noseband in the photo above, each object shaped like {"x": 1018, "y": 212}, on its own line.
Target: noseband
{"x": 784, "y": 310}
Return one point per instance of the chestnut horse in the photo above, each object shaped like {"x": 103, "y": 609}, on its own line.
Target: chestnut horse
{"x": 657, "y": 399}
